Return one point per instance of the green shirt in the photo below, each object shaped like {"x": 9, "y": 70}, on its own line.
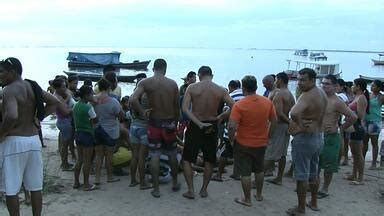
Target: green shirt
{"x": 82, "y": 114}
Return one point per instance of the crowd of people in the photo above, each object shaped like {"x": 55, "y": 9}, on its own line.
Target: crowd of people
{"x": 199, "y": 126}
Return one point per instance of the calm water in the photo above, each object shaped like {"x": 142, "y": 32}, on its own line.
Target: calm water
{"x": 42, "y": 64}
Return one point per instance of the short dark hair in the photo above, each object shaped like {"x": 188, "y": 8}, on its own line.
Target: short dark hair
{"x": 249, "y": 83}
{"x": 58, "y": 82}
{"x": 103, "y": 84}
{"x": 379, "y": 84}
{"x": 310, "y": 72}
{"x": 73, "y": 77}
{"x": 349, "y": 84}
{"x": 283, "y": 77}
{"x": 234, "y": 84}
{"x": 110, "y": 77}
{"x": 85, "y": 90}
{"x": 12, "y": 63}
{"x": 160, "y": 64}
{"x": 341, "y": 82}
{"x": 205, "y": 70}
{"x": 108, "y": 68}
{"x": 191, "y": 74}
{"x": 141, "y": 76}
{"x": 88, "y": 82}
{"x": 124, "y": 99}
{"x": 332, "y": 78}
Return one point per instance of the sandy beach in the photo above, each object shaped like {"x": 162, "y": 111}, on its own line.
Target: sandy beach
{"x": 119, "y": 199}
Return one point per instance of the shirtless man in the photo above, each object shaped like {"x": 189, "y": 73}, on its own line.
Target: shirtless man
{"x": 329, "y": 156}
{"x": 283, "y": 101}
{"x": 163, "y": 114}
{"x": 306, "y": 127}
{"x": 19, "y": 140}
{"x": 205, "y": 98}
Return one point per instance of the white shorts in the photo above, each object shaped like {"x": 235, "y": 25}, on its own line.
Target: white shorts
{"x": 20, "y": 162}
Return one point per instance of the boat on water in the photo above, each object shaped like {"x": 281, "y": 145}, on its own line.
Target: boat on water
{"x": 94, "y": 77}
{"x": 303, "y": 52}
{"x": 322, "y": 68}
{"x": 378, "y": 61}
{"x": 371, "y": 79}
{"x": 100, "y": 60}
{"x": 320, "y": 56}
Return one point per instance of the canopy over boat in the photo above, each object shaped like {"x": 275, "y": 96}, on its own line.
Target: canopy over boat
{"x": 98, "y": 58}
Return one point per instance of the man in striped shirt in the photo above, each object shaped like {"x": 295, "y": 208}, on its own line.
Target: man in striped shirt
{"x": 226, "y": 151}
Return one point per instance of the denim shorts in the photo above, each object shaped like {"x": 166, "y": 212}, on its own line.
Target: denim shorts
{"x": 306, "y": 148}
{"x": 138, "y": 135}
{"x": 373, "y": 127}
{"x": 102, "y": 137}
{"x": 84, "y": 139}
{"x": 66, "y": 130}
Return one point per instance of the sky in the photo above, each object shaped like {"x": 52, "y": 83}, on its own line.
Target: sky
{"x": 312, "y": 24}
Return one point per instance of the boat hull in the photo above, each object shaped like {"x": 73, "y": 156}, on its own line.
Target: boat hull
{"x": 140, "y": 65}
{"x": 378, "y": 62}
{"x": 94, "y": 77}
{"x": 371, "y": 79}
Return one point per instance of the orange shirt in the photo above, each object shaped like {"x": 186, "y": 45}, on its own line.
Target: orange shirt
{"x": 252, "y": 114}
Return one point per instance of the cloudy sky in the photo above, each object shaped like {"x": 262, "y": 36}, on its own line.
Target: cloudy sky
{"x": 318, "y": 24}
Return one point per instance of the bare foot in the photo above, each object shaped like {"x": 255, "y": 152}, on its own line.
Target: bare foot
{"x": 258, "y": 197}
{"x": 203, "y": 194}
{"x": 295, "y": 212}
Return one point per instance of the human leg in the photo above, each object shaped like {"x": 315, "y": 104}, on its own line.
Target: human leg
{"x": 37, "y": 202}
{"x": 155, "y": 166}
{"x": 99, "y": 151}
{"x": 134, "y": 162}
{"x": 78, "y": 165}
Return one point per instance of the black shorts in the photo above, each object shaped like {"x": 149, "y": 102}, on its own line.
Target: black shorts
{"x": 248, "y": 159}
{"x": 197, "y": 139}
{"x": 359, "y": 133}
{"x": 84, "y": 139}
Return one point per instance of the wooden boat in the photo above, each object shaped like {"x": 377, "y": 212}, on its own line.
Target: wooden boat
{"x": 322, "y": 68}
{"x": 371, "y": 79}
{"x": 378, "y": 61}
{"x": 100, "y": 60}
{"x": 94, "y": 77}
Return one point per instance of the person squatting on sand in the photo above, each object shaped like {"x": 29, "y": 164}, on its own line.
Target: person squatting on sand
{"x": 204, "y": 97}
{"x": 251, "y": 124}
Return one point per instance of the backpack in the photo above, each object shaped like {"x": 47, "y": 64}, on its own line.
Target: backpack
{"x": 38, "y": 92}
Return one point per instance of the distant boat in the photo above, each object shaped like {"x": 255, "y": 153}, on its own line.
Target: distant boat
{"x": 94, "y": 77}
{"x": 371, "y": 79}
{"x": 100, "y": 60}
{"x": 322, "y": 68}
{"x": 318, "y": 56}
{"x": 378, "y": 61}
{"x": 303, "y": 52}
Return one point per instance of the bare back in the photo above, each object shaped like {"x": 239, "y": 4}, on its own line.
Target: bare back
{"x": 206, "y": 97}
{"x": 163, "y": 98}
{"x": 283, "y": 102}
{"x": 19, "y": 98}
{"x": 310, "y": 108}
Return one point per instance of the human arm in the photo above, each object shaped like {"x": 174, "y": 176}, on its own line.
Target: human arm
{"x": 176, "y": 103}
{"x": 272, "y": 121}
{"x": 187, "y": 102}
{"x": 227, "y": 111}
{"x": 362, "y": 104}
{"x": 51, "y": 103}
{"x": 232, "y": 128}
{"x": 134, "y": 100}
{"x": 350, "y": 116}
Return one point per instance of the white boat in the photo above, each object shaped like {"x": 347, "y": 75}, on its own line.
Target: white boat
{"x": 318, "y": 56}
{"x": 378, "y": 61}
{"x": 322, "y": 68}
{"x": 303, "y": 52}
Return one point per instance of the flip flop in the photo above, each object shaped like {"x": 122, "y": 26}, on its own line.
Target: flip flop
{"x": 203, "y": 194}
{"x": 242, "y": 202}
{"x": 217, "y": 179}
{"x": 113, "y": 180}
{"x": 91, "y": 188}
{"x": 155, "y": 194}
{"x": 146, "y": 187}
{"x": 273, "y": 181}
{"x": 321, "y": 195}
{"x": 311, "y": 207}
{"x": 176, "y": 187}
{"x": 77, "y": 186}
{"x": 349, "y": 178}
{"x": 294, "y": 212}
{"x": 133, "y": 184}
{"x": 356, "y": 183}
{"x": 188, "y": 195}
